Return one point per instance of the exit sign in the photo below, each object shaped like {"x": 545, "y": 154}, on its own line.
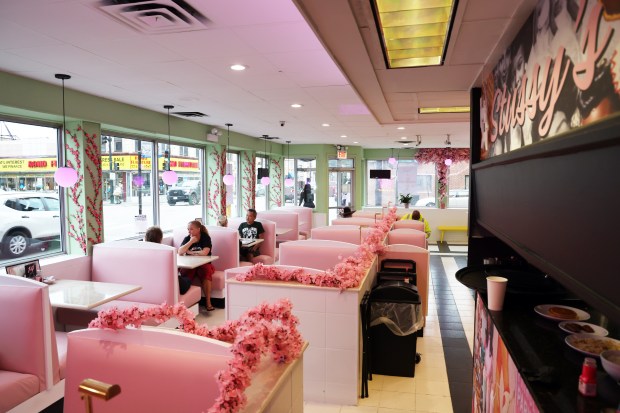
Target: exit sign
{"x": 342, "y": 154}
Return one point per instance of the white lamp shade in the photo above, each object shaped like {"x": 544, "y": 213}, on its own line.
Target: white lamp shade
{"x": 265, "y": 180}
{"x": 65, "y": 177}
{"x": 448, "y": 162}
{"x": 169, "y": 177}
{"x": 392, "y": 160}
{"x": 288, "y": 182}
{"x": 228, "y": 179}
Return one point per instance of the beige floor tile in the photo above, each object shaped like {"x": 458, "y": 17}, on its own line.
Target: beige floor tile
{"x": 399, "y": 384}
{"x": 372, "y": 399}
{"x": 434, "y": 388}
{"x": 436, "y": 404}
{"x": 310, "y": 407}
{"x": 397, "y": 400}
{"x": 376, "y": 383}
{"x": 385, "y": 410}
{"x": 431, "y": 374}
{"x": 358, "y": 409}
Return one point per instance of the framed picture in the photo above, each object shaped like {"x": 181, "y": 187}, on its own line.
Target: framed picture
{"x": 28, "y": 269}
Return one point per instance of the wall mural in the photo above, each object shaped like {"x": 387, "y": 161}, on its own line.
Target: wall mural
{"x": 248, "y": 180}
{"x": 216, "y": 194}
{"x": 275, "y": 187}
{"x": 561, "y": 72}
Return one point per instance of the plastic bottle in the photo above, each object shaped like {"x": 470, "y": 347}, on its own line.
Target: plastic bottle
{"x": 587, "y": 380}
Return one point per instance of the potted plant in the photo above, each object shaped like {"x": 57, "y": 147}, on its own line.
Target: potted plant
{"x": 405, "y": 199}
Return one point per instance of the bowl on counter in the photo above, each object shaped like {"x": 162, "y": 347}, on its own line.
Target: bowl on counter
{"x": 610, "y": 359}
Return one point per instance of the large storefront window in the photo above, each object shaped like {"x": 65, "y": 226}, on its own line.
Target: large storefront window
{"x": 406, "y": 177}
{"x": 458, "y": 184}
{"x": 260, "y": 201}
{"x": 29, "y": 202}
{"x": 181, "y": 202}
{"x": 127, "y": 186}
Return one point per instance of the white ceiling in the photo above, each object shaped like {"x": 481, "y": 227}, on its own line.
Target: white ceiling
{"x": 340, "y": 78}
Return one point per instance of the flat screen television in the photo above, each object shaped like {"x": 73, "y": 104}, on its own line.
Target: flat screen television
{"x": 380, "y": 174}
{"x": 262, "y": 172}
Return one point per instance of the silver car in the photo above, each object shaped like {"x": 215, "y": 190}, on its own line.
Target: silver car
{"x": 28, "y": 219}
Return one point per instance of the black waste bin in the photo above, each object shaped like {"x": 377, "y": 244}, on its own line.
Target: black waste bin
{"x": 395, "y": 317}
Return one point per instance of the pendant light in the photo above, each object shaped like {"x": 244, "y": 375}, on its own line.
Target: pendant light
{"x": 392, "y": 160}
{"x": 228, "y": 178}
{"x": 265, "y": 180}
{"x": 288, "y": 181}
{"x": 64, "y": 176}
{"x": 169, "y": 177}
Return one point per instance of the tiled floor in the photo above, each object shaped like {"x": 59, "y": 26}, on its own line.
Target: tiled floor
{"x": 442, "y": 381}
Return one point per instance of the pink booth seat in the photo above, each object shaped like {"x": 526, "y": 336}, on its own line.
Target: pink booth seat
{"x": 268, "y": 251}
{"x": 421, "y": 256}
{"x": 345, "y": 233}
{"x": 367, "y": 214}
{"x": 363, "y": 222}
{"x": 152, "y": 266}
{"x": 283, "y": 219}
{"x": 318, "y": 254}
{"x": 305, "y": 218}
{"x": 158, "y": 370}
{"x": 409, "y": 223}
{"x": 407, "y": 236}
{"x": 32, "y": 359}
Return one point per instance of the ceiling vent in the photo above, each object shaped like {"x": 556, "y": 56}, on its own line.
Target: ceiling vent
{"x": 156, "y": 16}
{"x": 190, "y": 114}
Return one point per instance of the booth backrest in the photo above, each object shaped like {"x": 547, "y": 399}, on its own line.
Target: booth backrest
{"x": 409, "y": 223}
{"x": 305, "y": 217}
{"x": 73, "y": 267}
{"x": 344, "y": 233}
{"x": 407, "y": 236}
{"x": 421, "y": 257}
{"x": 27, "y": 339}
{"x": 225, "y": 243}
{"x": 267, "y": 247}
{"x": 364, "y": 222}
{"x": 150, "y": 265}
{"x": 367, "y": 214}
{"x": 283, "y": 219}
{"x": 319, "y": 254}
{"x": 158, "y": 370}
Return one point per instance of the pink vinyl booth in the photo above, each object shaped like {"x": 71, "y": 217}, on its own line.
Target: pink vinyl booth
{"x": 158, "y": 370}
{"x": 283, "y": 219}
{"x": 364, "y": 222}
{"x": 421, "y": 256}
{"x": 318, "y": 254}
{"x": 345, "y": 233}
{"x": 150, "y": 265}
{"x": 305, "y": 218}
{"x": 32, "y": 354}
{"x": 409, "y": 223}
{"x": 407, "y": 236}
{"x": 268, "y": 251}
{"x": 225, "y": 242}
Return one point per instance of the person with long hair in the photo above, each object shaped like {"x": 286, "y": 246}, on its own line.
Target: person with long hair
{"x": 198, "y": 242}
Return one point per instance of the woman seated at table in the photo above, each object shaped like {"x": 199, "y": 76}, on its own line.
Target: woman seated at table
{"x": 198, "y": 242}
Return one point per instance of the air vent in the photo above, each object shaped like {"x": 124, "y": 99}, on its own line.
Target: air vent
{"x": 190, "y": 114}
{"x": 156, "y": 16}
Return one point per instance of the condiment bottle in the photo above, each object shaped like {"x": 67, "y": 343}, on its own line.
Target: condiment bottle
{"x": 587, "y": 380}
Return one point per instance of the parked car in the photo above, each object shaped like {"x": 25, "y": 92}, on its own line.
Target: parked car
{"x": 186, "y": 191}
{"x": 458, "y": 198}
{"x": 28, "y": 219}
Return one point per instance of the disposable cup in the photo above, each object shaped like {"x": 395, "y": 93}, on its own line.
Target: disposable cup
{"x": 496, "y": 290}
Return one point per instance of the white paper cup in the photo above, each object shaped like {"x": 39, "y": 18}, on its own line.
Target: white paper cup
{"x": 496, "y": 290}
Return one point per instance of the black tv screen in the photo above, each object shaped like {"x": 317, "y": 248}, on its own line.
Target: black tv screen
{"x": 262, "y": 172}
{"x": 380, "y": 174}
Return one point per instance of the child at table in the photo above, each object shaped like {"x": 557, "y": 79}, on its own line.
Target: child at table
{"x": 198, "y": 242}
{"x": 154, "y": 234}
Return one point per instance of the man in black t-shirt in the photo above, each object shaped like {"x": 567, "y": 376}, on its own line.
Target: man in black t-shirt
{"x": 251, "y": 229}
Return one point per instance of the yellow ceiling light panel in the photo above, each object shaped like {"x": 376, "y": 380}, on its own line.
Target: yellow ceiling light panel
{"x": 414, "y": 32}
{"x": 444, "y": 109}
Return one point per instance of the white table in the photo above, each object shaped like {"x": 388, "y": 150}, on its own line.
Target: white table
{"x": 194, "y": 261}
{"x": 84, "y": 295}
{"x": 282, "y": 231}
{"x": 254, "y": 242}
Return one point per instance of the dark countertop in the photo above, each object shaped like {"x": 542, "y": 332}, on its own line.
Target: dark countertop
{"x": 551, "y": 368}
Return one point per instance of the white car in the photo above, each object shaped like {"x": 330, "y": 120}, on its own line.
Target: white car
{"x": 459, "y": 198}
{"x": 27, "y": 219}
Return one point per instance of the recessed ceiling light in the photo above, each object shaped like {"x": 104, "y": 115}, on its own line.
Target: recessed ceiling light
{"x": 296, "y": 105}
{"x": 403, "y": 137}
{"x": 355, "y": 142}
{"x": 445, "y": 109}
{"x": 401, "y": 128}
{"x": 238, "y": 67}
{"x": 343, "y": 136}
{"x": 405, "y": 144}
{"x": 325, "y": 124}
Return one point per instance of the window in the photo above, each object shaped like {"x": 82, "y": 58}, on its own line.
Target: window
{"x": 407, "y": 177}
{"x": 232, "y": 193}
{"x": 289, "y": 190}
{"x": 261, "y": 199}
{"x": 118, "y": 145}
{"x": 29, "y": 203}
{"x": 458, "y": 184}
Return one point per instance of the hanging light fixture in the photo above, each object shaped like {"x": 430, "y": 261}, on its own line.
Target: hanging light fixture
{"x": 265, "y": 180}
{"x": 228, "y": 178}
{"x": 169, "y": 177}
{"x": 392, "y": 160}
{"x": 64, "y": 176}
{"x": 288, "y": 181}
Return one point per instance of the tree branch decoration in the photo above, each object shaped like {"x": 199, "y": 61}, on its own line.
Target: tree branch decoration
{"x": 248, "y": 181}
{"x": 94, "y": 204}
{"x": 275, "y": 189}
{"x": 438, "y": 156}
{"x": 216, "y": 195}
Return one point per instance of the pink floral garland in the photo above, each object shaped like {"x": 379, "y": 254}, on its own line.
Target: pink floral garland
{"x": 266, "y": 327}
{"x": 346, "y": 274}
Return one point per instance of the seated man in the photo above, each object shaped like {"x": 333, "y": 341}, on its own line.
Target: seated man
{"x": 418, "y": 217}
{"x": 251, "y": 229}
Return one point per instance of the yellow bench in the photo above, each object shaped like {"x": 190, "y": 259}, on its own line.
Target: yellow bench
{"x": 443, "y": 228}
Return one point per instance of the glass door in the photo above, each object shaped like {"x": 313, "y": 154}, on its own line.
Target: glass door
{"x": 340, "y": 191}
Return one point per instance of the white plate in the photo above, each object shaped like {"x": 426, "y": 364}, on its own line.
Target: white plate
{"x": 577, "y": 342}
{"x": 598, "y": 330}
{"x": 543, "y": 310}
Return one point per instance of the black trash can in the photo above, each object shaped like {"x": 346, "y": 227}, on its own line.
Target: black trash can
{"x": 395, "y": 317}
